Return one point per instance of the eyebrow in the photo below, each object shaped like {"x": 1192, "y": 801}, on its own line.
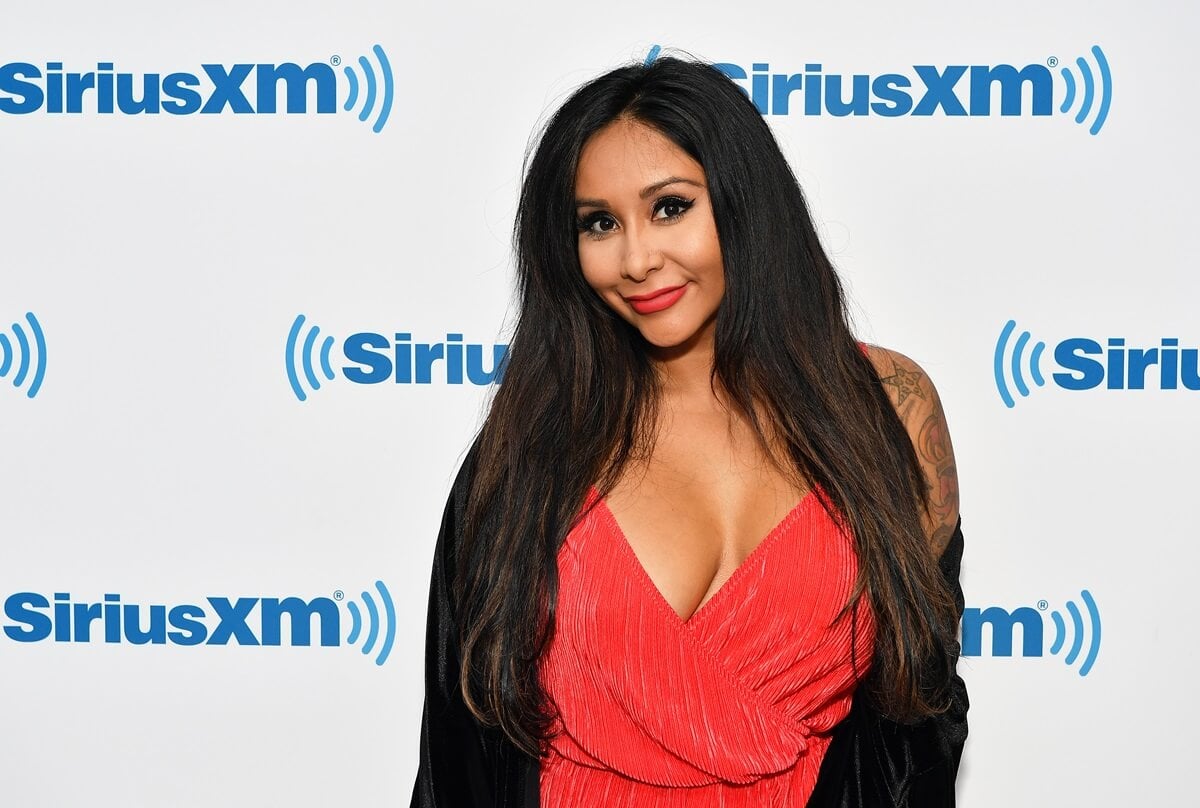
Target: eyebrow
{"x": 649, "y": 190}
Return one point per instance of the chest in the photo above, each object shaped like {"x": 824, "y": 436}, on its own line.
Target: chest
{"x": 699, "y": 507}
{"x": 731, "y": 694}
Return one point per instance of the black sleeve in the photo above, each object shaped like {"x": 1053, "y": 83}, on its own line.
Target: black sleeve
{"x": 873, "y": 762}
{"x": 461, "y": 762}
{"x": 954, "y": 721}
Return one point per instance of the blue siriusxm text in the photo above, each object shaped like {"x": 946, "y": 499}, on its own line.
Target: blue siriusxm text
{"x": 375, "y": 358}
{"x": 213, "y": 88}
{"x": 1086, "y": 363}
{"x": 217, "y": 88}
{"x": 1076, "y": 631}
{"x": 1089, "y": 364}
{"x": 32, "y": 617}
{"x": 218, "y": 621}
{"x": 399, "y": 359}
{"x": 954, "y": 90}
{"x": 930, "y": 90}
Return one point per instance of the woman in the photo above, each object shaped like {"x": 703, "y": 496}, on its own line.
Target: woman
{"x": 693, "y": 556}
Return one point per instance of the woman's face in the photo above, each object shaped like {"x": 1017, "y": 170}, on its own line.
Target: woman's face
{"x": 647, "y": 239}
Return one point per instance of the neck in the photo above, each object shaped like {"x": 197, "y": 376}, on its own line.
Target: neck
{"x": 685, "y": 370}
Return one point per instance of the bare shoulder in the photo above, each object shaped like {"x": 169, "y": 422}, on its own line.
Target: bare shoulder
{"x": 920, "y": 409}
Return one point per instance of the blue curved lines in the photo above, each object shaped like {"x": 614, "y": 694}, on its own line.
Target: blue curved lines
{"x": 40, "y": 341}
{"x": 1017, "y": 363}
{"x": 998, "y": 362}
{"x": 1089, "y": 90}
{"x": 23, "y": 352}
{"x": 388, "y": 89}
{"x": 372, "y": 622}
{"x": 1060, "y": 632}
{"x": 352, "y": 98}
{"x": 355, "y": 623}
{"x": 390, "y": 630}
{"x": 380, "y": 626}
{"x": 652, "y": 55}
{"x": 1068, "y": 100}
{"x": 1035, "y": 364}
{"x": 309, "y": 373}
{"x": 1076, "y": 631}
{"x": 290, "y": 355}
{"x": 1106, "y": 80}
{"x": 1088, "y": 98}
{"x": 307, "y": 350}
{"x": 1077, "y": 622}
{"x": 370, "y": 77}
{"x": 1019, "y": 349}
{"x": 1094, "y": 647}
{"x": 29, "y": 357}
{"x": 371, "y": 83}
{"x": 326, "y": 368}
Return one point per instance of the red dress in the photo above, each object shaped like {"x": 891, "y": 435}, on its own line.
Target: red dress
{"x": 731, "y": 707}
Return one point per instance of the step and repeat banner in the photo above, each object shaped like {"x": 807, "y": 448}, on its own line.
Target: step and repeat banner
{"x": 256, "y": 285}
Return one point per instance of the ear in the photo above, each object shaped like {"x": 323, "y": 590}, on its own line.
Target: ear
{"x": 920, "y": 409}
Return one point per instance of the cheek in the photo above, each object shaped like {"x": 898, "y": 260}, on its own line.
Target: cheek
{"x": 699, "y": 246}
{"x": 594, "y": 266}
{"x": 711, "y": 256}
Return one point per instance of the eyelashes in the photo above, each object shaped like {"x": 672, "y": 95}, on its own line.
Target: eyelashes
{"x": 674, "y": 202}
{"x": 586, "y": 224}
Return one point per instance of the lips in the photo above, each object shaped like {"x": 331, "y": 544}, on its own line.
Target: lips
{"x": 658, "y": 300}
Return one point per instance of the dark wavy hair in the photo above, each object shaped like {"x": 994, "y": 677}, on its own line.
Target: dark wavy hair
{"x": 579, "y": 399}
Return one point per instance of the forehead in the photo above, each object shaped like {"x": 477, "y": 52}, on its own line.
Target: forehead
{"x": 625, "y": 156}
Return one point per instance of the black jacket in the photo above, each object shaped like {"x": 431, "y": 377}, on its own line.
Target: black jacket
{"x": 871, "y": 762}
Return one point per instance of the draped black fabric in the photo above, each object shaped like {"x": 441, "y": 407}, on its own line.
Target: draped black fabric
{"x": 872, "y": 762}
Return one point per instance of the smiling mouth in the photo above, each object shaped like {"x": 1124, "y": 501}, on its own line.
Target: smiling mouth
{"x": 657, "y": 301}
{"x": 652, "y": 295}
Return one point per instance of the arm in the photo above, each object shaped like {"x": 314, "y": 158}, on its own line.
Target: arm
{"x": 461, "y": 762}
{"x": 872, "y": 761}
{"x": 920, "y": 409}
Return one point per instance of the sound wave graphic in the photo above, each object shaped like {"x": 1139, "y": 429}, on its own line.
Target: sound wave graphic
{"x": 1088, "y": 96}
{"x": 370, "y": 85}
{"x": 305, "y": 358}
{"x": 1017, "y": 364}
{"x": 374, "y": 623}
{"x": 1076, "y": 632}
{"x": 27, "y": 357}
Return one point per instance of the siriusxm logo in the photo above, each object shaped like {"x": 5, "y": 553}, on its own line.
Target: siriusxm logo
{"x": 1087, "y": 364}
{"x": 1002, "y": 623}
{"x": 33, "y": 617}
{"x": 377, "y": 358}
{"x": 24, "y": 355}
{"x": 243, "y": 88}
{"x": 952, "y": 90}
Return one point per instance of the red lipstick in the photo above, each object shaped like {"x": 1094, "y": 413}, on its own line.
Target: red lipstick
{"x": 656, "y": 301}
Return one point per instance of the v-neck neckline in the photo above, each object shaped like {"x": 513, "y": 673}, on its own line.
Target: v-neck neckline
{"x": 725, "y": 587}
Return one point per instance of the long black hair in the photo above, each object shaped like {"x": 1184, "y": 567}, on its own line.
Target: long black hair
{"x": 579, "y": 399}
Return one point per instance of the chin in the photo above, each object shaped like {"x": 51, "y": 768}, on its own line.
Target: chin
{"x": 668, "y": 338}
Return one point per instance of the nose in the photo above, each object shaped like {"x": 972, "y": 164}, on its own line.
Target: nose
{"x": 641, "y": 256}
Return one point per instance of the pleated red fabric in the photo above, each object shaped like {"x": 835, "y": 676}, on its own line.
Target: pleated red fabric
{"x": 731, "y": 707}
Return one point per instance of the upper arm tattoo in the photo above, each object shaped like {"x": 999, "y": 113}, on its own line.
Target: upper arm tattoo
{"x": 920, "y": 409}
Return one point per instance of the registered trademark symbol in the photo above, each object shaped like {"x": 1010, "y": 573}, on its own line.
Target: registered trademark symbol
{"x": 1042, "y": 605}
{"x": 336, "y": 60}
{"x": 338, "y": 594}
{"x": 1052, "y": 61}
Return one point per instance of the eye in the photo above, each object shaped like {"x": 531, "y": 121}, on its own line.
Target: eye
{"x": 588, "y": 224}
{"x": 672, "y": 206}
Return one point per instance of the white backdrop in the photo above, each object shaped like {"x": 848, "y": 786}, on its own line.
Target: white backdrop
{"x": 156, "y": 451}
